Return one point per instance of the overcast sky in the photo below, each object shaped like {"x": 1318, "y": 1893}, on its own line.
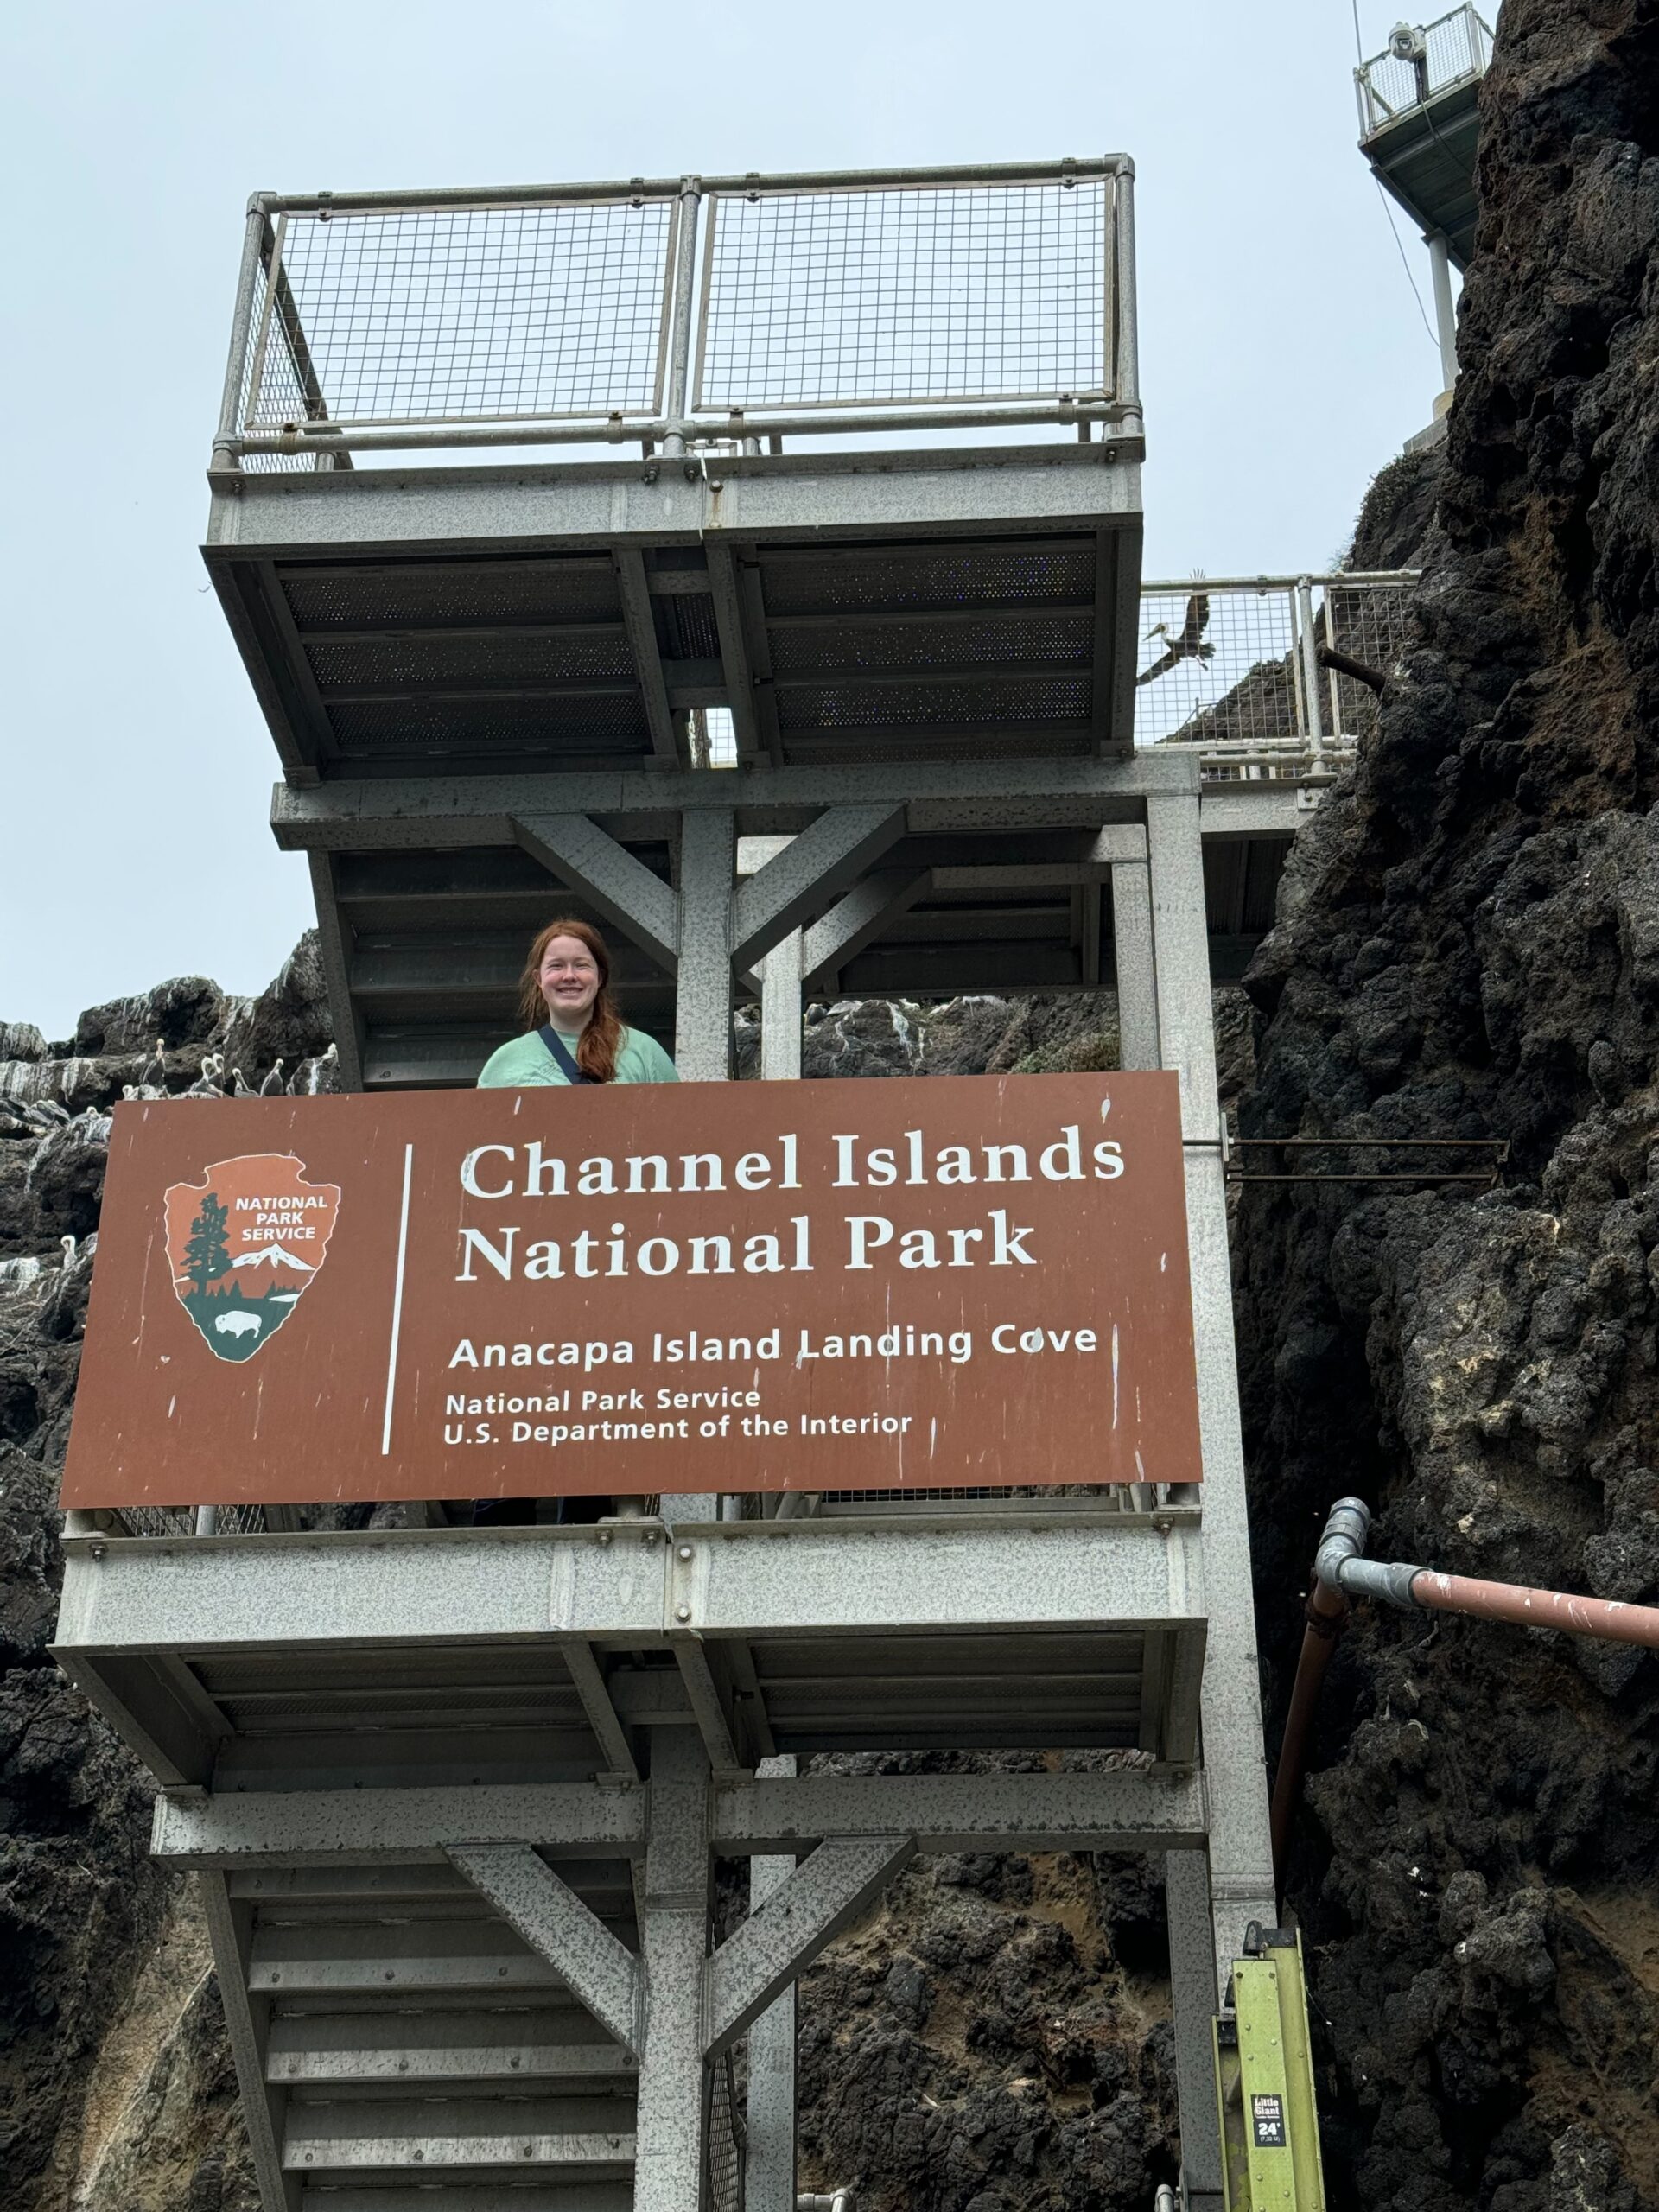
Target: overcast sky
{"x": 1283, "y": 357}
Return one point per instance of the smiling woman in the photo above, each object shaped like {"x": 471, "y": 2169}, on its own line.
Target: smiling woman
{"x": 573, "y": 1030}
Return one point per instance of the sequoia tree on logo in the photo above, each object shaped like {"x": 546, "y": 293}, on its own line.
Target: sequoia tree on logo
{"x": 244, "y": 1245}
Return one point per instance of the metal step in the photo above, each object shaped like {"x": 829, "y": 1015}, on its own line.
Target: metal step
{"x": 419, "y": 2053}
{"x": 582, "y": 2196}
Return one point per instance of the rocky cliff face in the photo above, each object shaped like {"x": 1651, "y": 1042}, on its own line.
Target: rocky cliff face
{"x": 1466, "y": 948}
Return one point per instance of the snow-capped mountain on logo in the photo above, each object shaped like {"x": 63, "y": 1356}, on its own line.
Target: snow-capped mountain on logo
{"x": 244, "y": 1244}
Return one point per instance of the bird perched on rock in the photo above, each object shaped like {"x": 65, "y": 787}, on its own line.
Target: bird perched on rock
{"x": 1190, "y": 645}
{"x": 153, "y": 1074}
{"x": 273, "y": 1086}
{"x": 45, "y": 1114}
{"x": 240, "y": 1088}
{"x": 209, "y": 1086}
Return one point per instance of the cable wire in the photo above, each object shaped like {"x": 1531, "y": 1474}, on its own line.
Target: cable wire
{"x": 1404, "y": 262}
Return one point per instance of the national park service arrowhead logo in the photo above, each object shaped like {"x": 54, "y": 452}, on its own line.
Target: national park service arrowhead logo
{"x": 244, "y": 1244}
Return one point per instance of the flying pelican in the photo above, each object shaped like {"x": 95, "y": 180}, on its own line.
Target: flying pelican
{"x": 1190, "y": 645}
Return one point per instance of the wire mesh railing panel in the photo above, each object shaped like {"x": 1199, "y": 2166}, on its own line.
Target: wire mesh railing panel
{"x": 1226, "y": 668}
{"x": 1369, "y": 623}
{"x": 1424, "y": 60}
{"x": 181, "y": 1521}
{"x": 1217, "y": 666}
{"x": 281, "y": 377}
{"x": 469, "y": 314}
{"x": 908, "y": 295}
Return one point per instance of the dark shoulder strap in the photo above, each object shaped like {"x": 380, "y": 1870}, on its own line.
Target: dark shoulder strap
{"x": 562, "y": 1053}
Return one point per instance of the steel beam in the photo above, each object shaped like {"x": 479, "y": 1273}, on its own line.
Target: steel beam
{"x": 1128, "y": 1810}
{"x": 608, "y": 877}
{"x": 672, "y": 2123}
{"x": 635, "y": 594}
{"x": 266, "y": 1831}
{"x": 230, "y": 1930}
{"x": 1241, "y": 1858}
{"x": 1192, "y": 2002}
{"x": 838, "y": 847}
{"x": 702, "y": 1015}
{"x": 334, "y": 944}
{"x": 1098, "y": 1569}
{"x": 373, "y": 813}
{"x": 767, "y": 1954}
{"x": 1137, "y": 987}
{"x": 556, "y": 1924}
{"x": 780, "y": 1011}
{"x": 769, "y": 2175}
{"x": 603, "y": 1716}
{"x": 859, "y": 917}
{"x": 398, "y": 1827}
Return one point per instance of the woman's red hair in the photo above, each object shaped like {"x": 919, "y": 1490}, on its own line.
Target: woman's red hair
{"x": 601, "y": 1040}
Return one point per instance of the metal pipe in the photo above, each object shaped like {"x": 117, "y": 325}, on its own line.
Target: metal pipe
{"x": 1310, "y": 663}
{"x": 679, "y": 352}
{"x": 332, "y": 436}
{"x": 1127, "y": 359}
{"x": 1446, "y": 314}
{"x": 1341, "y": 1571}
{"x": 526, "y": 196}
{"x": 1163, "y": 2198}
{"x": 206, "y": 1520}
{"x": 1604, "y": 1617}
{"x": 1325, "y": 1616}
{"x": 253, "y": 239}
{"x": 840, "y": 2200}
{"x": 1361, "y": 577}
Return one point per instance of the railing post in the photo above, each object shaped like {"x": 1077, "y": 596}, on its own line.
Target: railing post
{"x": 679, "y": 354}
{"x": 1310, "y": 666}
{"x": 253, "y": 239}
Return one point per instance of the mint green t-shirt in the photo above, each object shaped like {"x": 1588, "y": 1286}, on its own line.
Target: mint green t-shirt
{"x": 526, "y": 1060}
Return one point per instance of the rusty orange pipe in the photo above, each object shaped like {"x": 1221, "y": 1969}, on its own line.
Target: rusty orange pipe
{"x": 1325, "y": 1616}
{"x": 1341, "y": 1571}
{"x": 1512, "y": 1601}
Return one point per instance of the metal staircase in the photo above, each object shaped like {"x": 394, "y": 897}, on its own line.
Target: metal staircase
{"x": 457, "y": 1795}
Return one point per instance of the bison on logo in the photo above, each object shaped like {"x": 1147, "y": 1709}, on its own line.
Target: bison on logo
{"x": 244, "y": 1244}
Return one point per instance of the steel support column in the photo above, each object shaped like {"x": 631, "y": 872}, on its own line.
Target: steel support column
{"x": 1445, "y": 314}
{"x": 769, "y": 2172}
{"x": 1192, "y": 2002}
{"x": 1137, "y": 988}
{"x": 702, "y": 1019}
{"x": 671, "y": 2144}
{"x": 1241, "y": 1857}
{"x": 780, "y": 1010}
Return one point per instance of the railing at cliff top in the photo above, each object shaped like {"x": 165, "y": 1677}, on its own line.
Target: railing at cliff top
{"x": 1419, "y": 61}
{"x": 1233, "y": 666}
{"x": 683, "y": 312}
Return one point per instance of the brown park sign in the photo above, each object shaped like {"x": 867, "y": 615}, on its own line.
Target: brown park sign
{"x": 709, "y": 1286}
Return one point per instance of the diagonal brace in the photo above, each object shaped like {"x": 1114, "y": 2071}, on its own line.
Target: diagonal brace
{"x": 770, "y": 1950}
{"x": 621, "y": 888}
{"x": 859, "y": 915}
{"x": 555, "y": 1924}
{"x": 831, "y": 853}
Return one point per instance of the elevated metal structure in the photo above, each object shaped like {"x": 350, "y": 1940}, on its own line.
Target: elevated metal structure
{"x": 457, "y": 1795}
{"x": 1419, "y": 125}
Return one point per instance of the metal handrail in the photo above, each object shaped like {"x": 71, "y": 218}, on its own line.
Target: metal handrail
{"x": 1420, "y": 62}
{"x": 611, "y": 312}
{"x": 1232, "y": 667}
